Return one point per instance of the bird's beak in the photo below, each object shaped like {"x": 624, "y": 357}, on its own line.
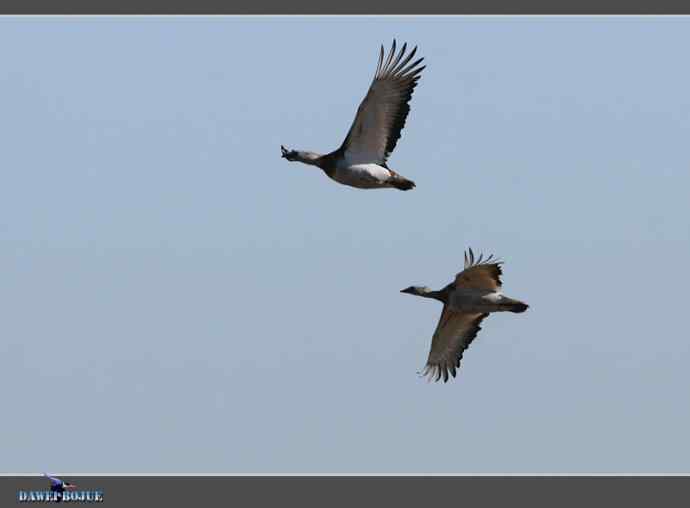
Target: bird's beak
{"x": 283, "y": 152}
{"x": 407, "y": 290}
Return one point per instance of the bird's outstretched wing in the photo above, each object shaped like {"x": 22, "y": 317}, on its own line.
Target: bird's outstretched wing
{"x": 480, "y": 273}
{"x": 381, "y": 115}
{"x": 454, "y": 333}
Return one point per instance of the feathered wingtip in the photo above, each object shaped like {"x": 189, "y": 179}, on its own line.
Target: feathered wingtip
{"x": 470, "y": 260}
{"x": 426, "y": 373}
{"x": 435, "y": 373}
{"x": 397, "y": 67}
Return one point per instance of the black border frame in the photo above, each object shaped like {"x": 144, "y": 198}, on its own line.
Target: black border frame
{"x": 403, "y": 490}
{"x": 326, "y": 491}
{"x": 351, "y": 7}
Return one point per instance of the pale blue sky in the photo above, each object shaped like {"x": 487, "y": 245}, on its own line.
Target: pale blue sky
{"x": 178, "y": 298}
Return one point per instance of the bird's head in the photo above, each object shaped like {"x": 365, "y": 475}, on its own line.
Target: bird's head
{"x": 290, "y": 155}
{"x": 417, "y": 290}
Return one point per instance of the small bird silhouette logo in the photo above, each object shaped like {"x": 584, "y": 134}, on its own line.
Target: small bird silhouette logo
{"x": 59, "y": 486}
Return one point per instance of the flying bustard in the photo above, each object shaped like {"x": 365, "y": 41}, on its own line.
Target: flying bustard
{"x": 475, "y": 293}
{"x": 361, "y": 159}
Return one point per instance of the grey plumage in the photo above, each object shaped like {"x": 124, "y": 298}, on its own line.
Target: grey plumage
{"x": 467, "y": 301}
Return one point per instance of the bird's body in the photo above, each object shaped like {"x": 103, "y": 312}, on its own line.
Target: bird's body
{"x": 479, "y": 301}
{"x": 365, "y": 176}
{"x": 468, "y": 300}
{"x": 361, "y": 161}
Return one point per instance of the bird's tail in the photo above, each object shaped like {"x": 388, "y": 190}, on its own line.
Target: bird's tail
{"x": 400, "y": 182}
{"x": 511, "y": 305}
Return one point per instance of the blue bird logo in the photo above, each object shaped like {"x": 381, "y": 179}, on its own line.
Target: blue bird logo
{"x": 59, "y": 486}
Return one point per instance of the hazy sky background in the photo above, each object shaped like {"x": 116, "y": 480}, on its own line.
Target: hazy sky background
{"x": 177, "y": 298}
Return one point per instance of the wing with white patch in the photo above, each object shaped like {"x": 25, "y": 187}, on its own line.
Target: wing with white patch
{"x": 381, "y": 115}
{"x": 454, "y": 333}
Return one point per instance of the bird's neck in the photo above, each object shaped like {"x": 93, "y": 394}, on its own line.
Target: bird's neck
{"x": 310, "y": 158}
{"x": 428, "y": 293}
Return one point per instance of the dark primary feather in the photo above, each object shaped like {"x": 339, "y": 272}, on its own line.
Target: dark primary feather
{"x": 469, "y": 260}
{"x": 382, "y": 114}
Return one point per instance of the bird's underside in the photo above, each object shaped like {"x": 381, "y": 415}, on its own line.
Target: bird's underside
{"x": 371, "y": 176}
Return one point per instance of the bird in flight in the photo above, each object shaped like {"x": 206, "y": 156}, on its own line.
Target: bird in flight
{"x": 361, "y": 161}
{"x": 469, "y": 299}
